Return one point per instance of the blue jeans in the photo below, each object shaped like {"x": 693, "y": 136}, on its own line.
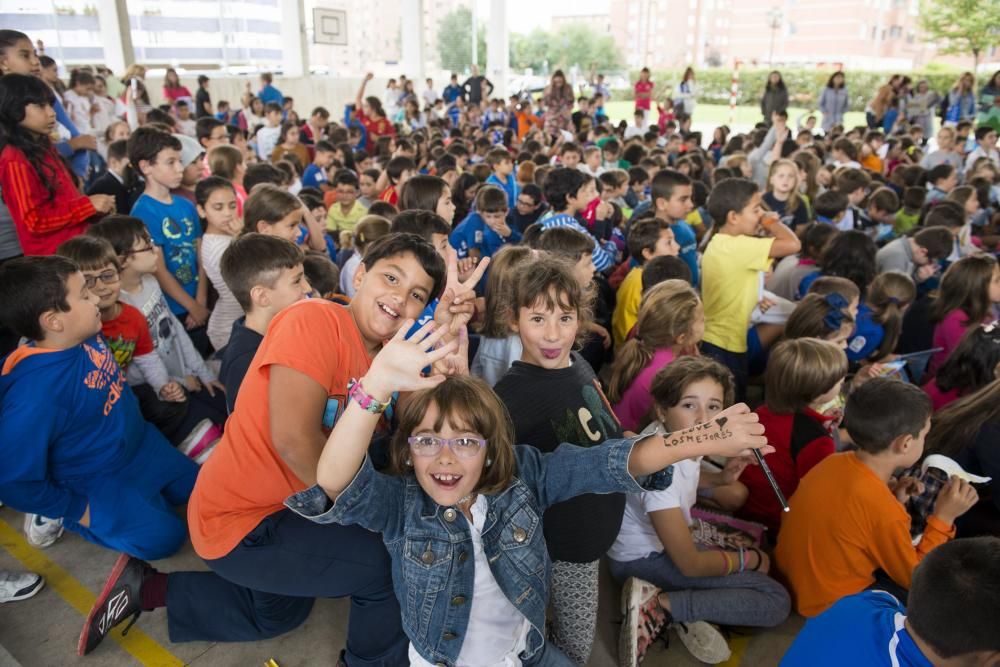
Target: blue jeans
{"x": 747, "y": 598}
{"x": 550, "y": 656}
{"x": 737, "y": 362}
{"x": 267, "y": 584}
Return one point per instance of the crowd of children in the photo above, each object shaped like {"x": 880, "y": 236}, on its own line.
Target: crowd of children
{"x": 444, "y": 359}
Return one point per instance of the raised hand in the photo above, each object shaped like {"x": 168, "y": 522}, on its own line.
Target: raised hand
{"x": 458, "y": 303}
{"x": 739, "y": 432}
{"x": 398, "y": 365}
{"x": 458, "y": 362}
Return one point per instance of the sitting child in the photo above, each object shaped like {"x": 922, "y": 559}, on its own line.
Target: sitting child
{"x": 671, "y": 322}
{"x": 74, "y": 444}
{"x": 264, "y": 274}
{"x": 646, "y": 239}
{"x": 689, "y": 586}
{"x": 803, "y": 376}
{"x": 825, "y": 555}
{"x": 951, "y": 618}
{"x": 499, "y": 346}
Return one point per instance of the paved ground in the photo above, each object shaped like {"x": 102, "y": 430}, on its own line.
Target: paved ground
{"x": 42, "y": 632}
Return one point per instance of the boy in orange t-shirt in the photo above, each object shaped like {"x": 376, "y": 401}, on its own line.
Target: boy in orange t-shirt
{"x": 846, "y": 521}
{"x": 268, "y": 563}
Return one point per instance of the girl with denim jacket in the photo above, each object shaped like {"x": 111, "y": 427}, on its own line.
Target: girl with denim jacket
{"x": 460, "y": 512}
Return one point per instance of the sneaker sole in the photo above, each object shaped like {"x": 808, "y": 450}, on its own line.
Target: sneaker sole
{"x": 627, "y": 651}
{"x": 30, "y": 594}
{"x": 116, "y": 572}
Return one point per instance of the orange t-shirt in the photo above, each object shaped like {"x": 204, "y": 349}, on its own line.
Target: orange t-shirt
{"x": 844, "y": 524}
{"x": 245, "y": 479}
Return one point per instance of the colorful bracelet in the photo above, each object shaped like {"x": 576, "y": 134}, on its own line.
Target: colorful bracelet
{"x": 357, "y": 393}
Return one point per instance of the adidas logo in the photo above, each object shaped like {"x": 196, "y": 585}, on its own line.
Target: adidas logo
{"x": 116, "y": 606}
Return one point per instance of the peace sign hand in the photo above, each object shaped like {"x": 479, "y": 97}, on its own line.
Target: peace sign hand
{"x": 398, "y": 365}
{"x": 458, "y": 303}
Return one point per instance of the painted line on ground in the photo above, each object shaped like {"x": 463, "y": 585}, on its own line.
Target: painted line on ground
{"x": 138, "y": 644}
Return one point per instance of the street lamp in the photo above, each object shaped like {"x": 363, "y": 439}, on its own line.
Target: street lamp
{"x": 774, "y": 20}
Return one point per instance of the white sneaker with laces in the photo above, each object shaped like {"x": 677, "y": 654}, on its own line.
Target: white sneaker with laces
{"x": 16, "y": 586}
{"x": 40, "y": 531}
{"x": 703, "y": 641}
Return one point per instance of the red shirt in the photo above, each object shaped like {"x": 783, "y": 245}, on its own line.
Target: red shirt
{"x": 42, "y": 223}
{"x": 390, "y": 194}
{"x": 375, "y": 128}
{"x": 127, "y": 335}
{"x": 801, "y": 440}
{"x": 643, "y": 94}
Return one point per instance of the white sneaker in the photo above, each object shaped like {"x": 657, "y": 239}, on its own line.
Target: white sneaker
{"x": 644, "y": 621}
{"x": 16, "y": 586}
{"x": 42, "y": 532}
{"x": 703, "y": 641}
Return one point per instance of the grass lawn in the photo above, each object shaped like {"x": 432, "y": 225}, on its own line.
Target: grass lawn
{"x": 709, "y": 116}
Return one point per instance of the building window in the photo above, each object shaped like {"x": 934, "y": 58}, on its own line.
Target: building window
{"x": 895, "y": 32}
{"x": 910, "y": 37}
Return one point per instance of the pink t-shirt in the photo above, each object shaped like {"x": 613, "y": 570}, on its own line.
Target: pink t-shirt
{"x": 636, "y": 401}
{"x": 643, "y": 94}
{"x": 939, "y": 398}
{"x": 947, "y": 334}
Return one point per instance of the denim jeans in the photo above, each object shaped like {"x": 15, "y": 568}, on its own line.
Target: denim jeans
{"x": 747, "y": 598}
{"x": 267, "y": 584}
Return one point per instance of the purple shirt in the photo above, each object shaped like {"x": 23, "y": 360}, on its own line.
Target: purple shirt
{"x": 947, "y": 334}
{"x": 636, "y": 401}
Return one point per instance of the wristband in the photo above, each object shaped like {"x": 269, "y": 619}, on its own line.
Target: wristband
{"x": 743, "y": 560}
{"x": 356, "y": 393}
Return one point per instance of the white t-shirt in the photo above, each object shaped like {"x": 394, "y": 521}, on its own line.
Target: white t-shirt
{"x": 227, "y": 309}
{"x": 637, "y": 538}
{"x": 499, "y": 631}
{"x": 267, "y": 139}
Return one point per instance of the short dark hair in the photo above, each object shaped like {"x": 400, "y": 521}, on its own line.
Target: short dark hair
{"x": 395, "y": 244}
{"x": 147, "y": 142}
{"x": 814, "y": 239}
{"x": 397, "y": 165}
{"x": 849, "y": 180}
{"x": 532, "y": 191}
{"x": 383, "y": 209}
{"x": 89, "y": 253}
{"x": 262, "y": 172}
{"x": 664, "y": 267}
{"x": 940, "y": 172}
{"x": 498, "y": 155}
{"x": 561, "y": 184}
{"x": 883, "y": 409}
{"x": 643, "y": 235}
{"x": 256, "y": 259}
{"x": 564, "y": 242}
{"x": 914, "y": 196}
{"x": 118, "y": 150}
{"x": 830, "y": 204}
{"x": 983, "y": 130}
{"x": 490, "y": 199}
{"x": 203, "y": 127}
{"x": 323, "y": 275}
{"x": 419, "y": 223}
{"x": 730, "y": 195}
{"x": 346, "y": 177}
{"x": 847, "y": 147}
{"x": 325, "y": 147}
{"x": 954, "y": 600}
{"x": 121, "y": 231}
{"x": 946, "y": 213}
{"x": 664, "y": 183}
{"x": 884, "y": 199}
{"x": 272, "y": 107}
{"x": 30, "y": 286}
{"x": 938, "y": 241}
{"x": 637, "y": 175}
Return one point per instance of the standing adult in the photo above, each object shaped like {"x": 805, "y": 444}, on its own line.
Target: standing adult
{"x": 961, "y": 100}
{"x": 597, "y": 84}
{"x": 833, "y": 101}
{"x": 989, "y": 98}
{"x": 883, "y": 100}
{"x": 920, "y": 106}
{"x": 202, "y": 99}
{"x": 775, "y": 96}
{"x": 684, "y": 99}
{"x": 644, "y": 94}
{"x": 173, "y": 91}
{"x": 558, "y": 101}
{"x": 475, "y": 87}
{"x": 268, "y": 93}
{"x": 371, "y": 114}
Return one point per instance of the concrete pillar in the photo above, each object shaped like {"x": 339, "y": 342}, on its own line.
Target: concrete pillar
{"x": 413, "y": 41}
{"x": 498, "y": 48}
{"x": 116, "y": 34}
{"x": 295, "y": 54}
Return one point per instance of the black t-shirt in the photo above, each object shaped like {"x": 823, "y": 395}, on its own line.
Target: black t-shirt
{"x": 200, "y": 99}
{"x": 550, "y": 407}
{"x": 791, "y": 220}
{"x": 236, "y": 358}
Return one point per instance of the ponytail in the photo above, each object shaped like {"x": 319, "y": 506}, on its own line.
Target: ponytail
{"x": 888, "y": 296}
{"x": 629, "y": 362}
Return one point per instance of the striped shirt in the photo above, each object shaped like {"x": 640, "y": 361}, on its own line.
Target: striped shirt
{"x": 604, "y": 254}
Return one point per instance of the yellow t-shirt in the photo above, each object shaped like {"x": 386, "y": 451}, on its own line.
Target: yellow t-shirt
{"x": 731, "y": 282}
{"x": 627, "y": 308}
{"x": 337, "y": 221}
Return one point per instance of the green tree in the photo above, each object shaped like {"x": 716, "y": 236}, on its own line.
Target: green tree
{"x": 579, "y": 44}
{"x": 454, "y": 43}
{"x": 529, "y": 50}
{"x": 962, "y": 26}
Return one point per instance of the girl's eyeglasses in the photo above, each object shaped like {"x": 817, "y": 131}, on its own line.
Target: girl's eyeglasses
{"x": 106, "y": 278}
{"x": 465, "y": 447}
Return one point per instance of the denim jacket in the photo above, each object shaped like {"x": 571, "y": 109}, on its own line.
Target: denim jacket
{"x": 431, "y": 548}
